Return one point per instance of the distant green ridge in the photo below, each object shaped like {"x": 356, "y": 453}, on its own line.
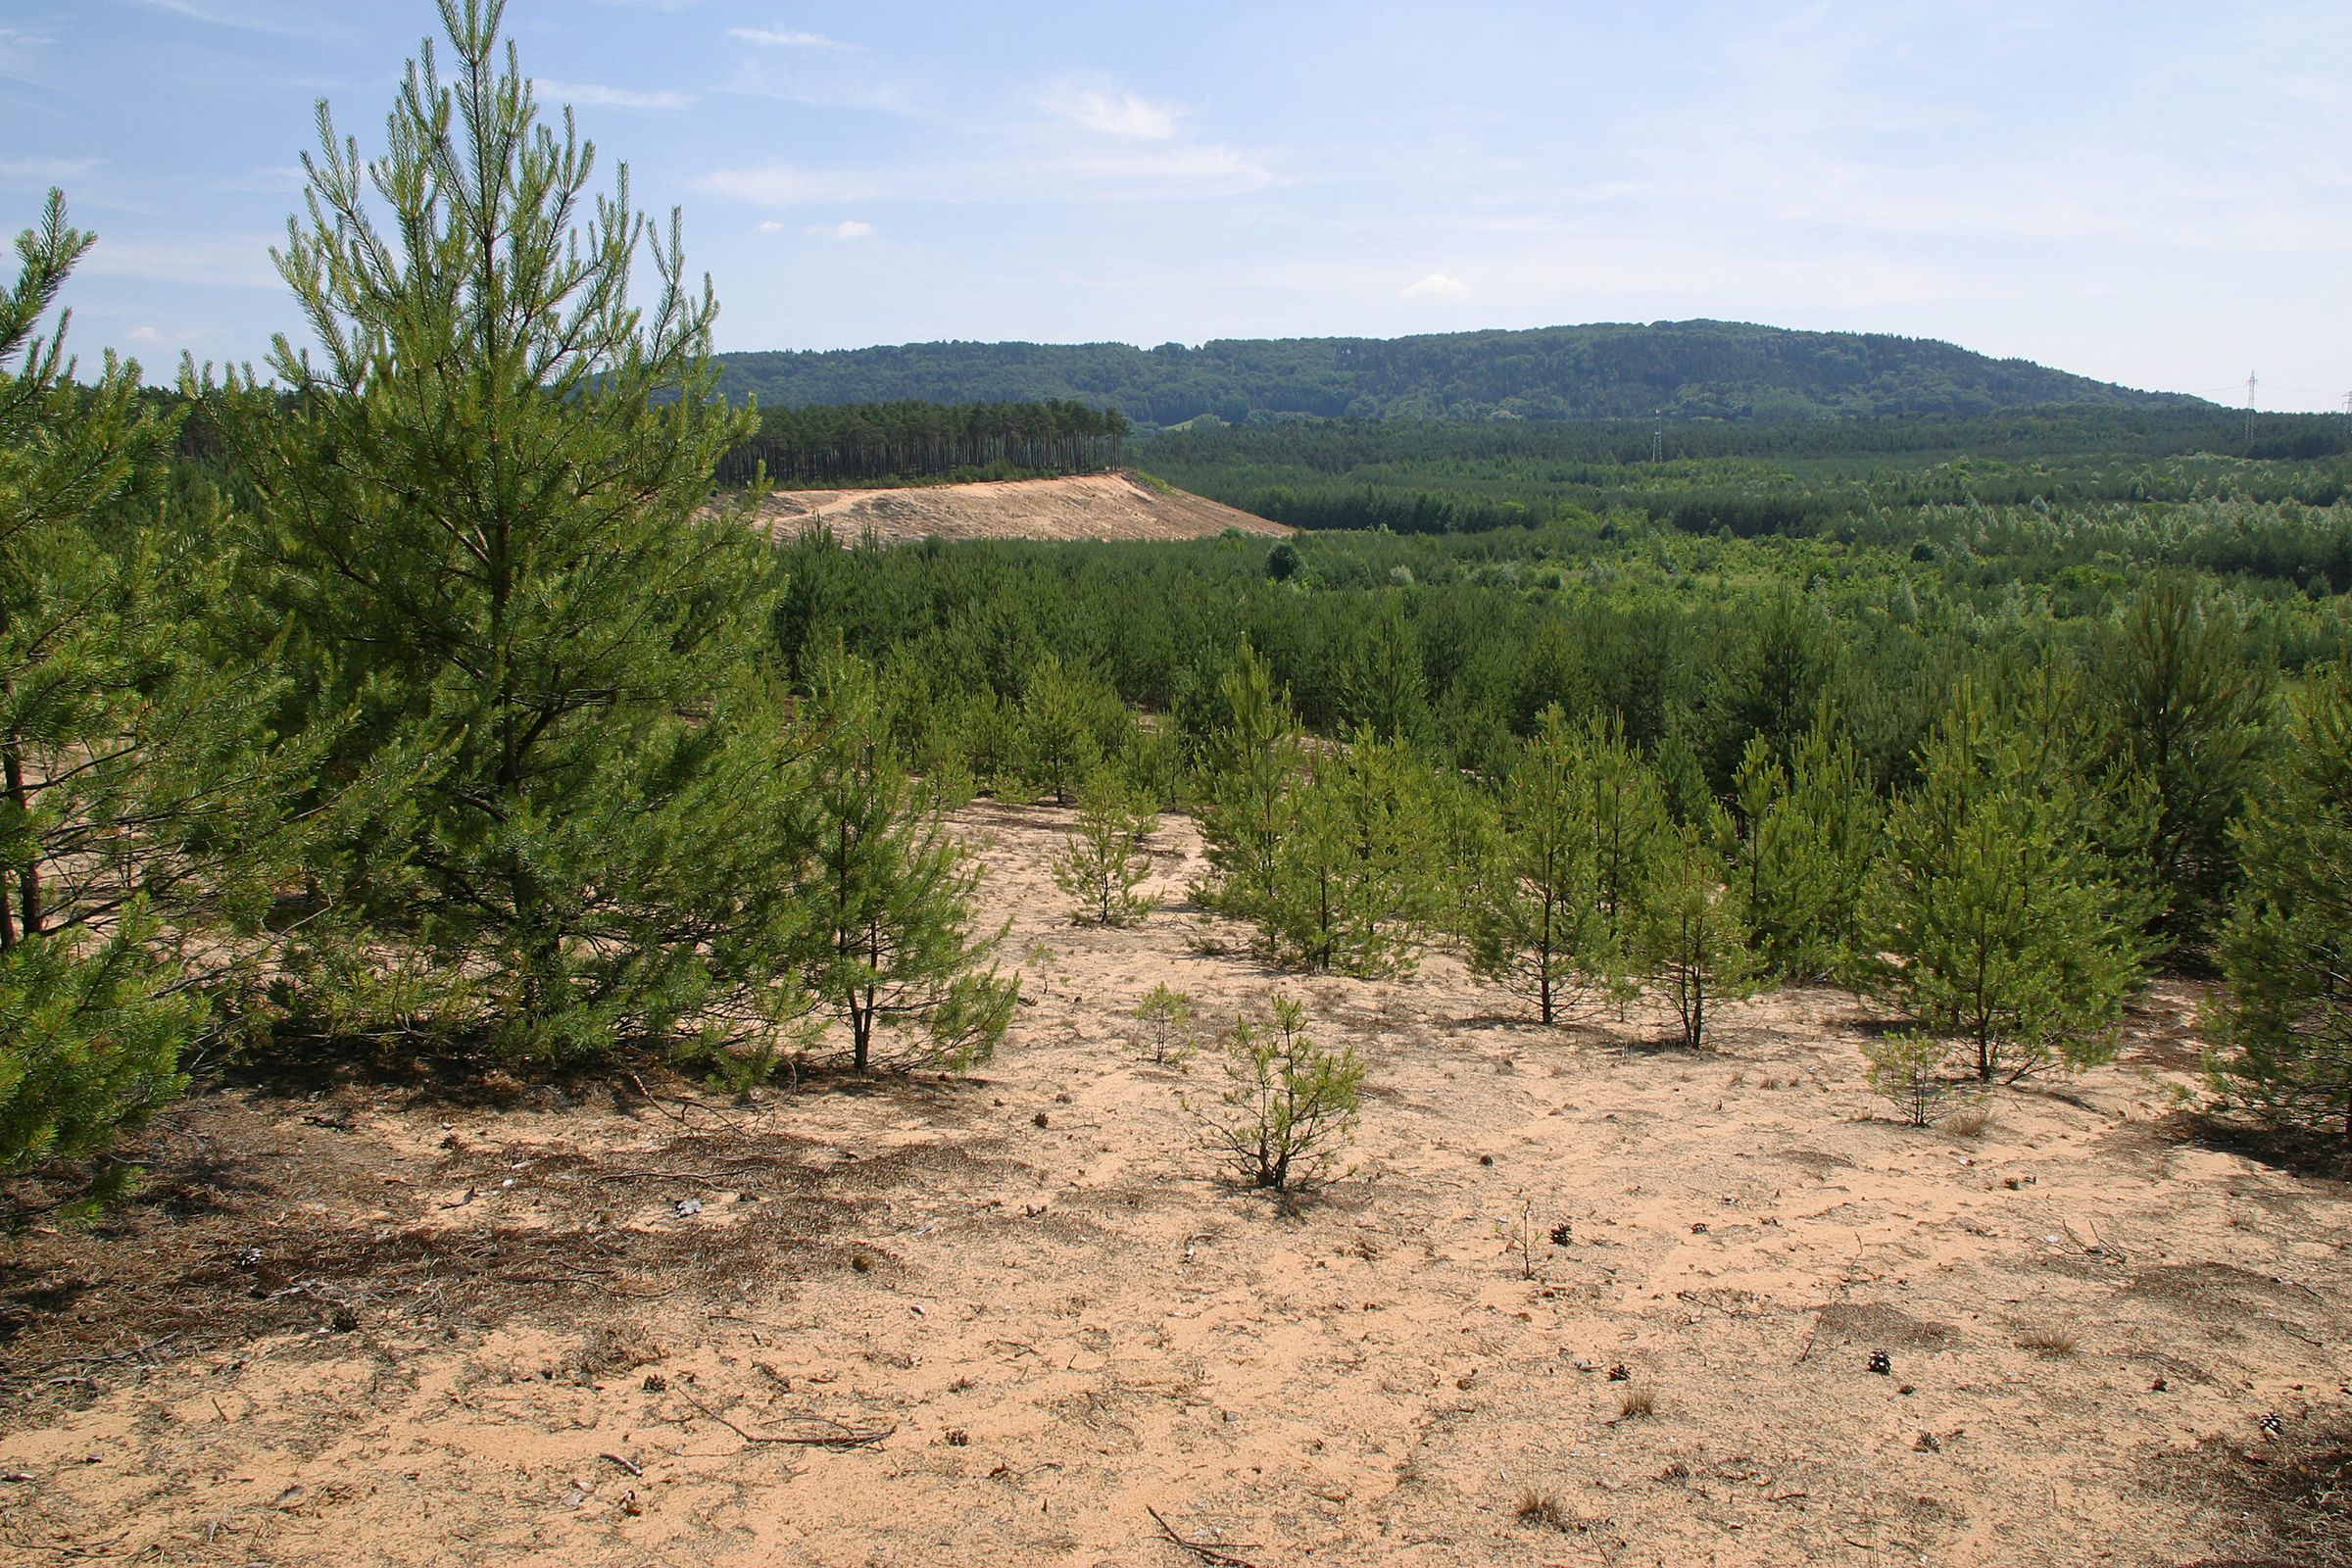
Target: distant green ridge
{"x": 1683, "y": 369}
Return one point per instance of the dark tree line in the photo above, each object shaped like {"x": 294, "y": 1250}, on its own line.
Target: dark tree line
{"x": 864, "y": 443}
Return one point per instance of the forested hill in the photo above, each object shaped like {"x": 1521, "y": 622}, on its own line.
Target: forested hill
{"x": 1688, "y": 369}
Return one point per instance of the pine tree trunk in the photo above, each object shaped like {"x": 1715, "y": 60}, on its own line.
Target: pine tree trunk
{"x": 1543, "y": 964}
{"x": 28, "y": 875}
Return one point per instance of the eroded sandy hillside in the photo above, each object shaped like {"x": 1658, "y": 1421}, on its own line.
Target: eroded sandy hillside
{"x": 1005, "y": 1320}
{"x": 1092, "y": 506}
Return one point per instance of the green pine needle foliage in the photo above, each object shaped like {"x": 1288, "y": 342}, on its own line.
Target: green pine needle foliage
{"x": 1691, "y": 937}
{"x": 1352, "y": 872}
{"x": 2286, "y": 1017}
{"x": 135, "y": 857}
{"x": 1251, "y": 761}
{"x": 900, "y": 960}
{"x": 2007, "y": 927}
{"x": 1535, "y": 921}
{"x": 479, "y": 508}
{"x": 1802, "y": 841}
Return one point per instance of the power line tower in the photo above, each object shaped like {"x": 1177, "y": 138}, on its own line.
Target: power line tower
{"x": 1657, "y": 435}
{"x": 2249, "y": 406}
{"x": 2348, "y": 413}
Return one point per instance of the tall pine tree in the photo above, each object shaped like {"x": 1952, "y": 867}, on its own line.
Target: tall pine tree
{"x": 1537, "y": 926}
{"x": 480, "y": 508}
{"x": 2010, "y": 933}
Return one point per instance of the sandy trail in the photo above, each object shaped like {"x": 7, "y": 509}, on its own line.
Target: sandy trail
{"x": 381, "y": 1353}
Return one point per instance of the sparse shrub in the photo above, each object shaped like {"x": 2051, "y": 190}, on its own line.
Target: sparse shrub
{"x": 1521, "y": 1232}
{"x": 1166, "y": 1037}
{"x": 1103, "y": 862}
{"x": 1908, "y": 1069}
{"x": 1289, "y": 1103}
{"x": 1639, "y": 1403}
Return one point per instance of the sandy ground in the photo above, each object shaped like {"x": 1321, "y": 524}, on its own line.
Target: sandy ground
{"x": 1094, "y": 506}
{"x": 1001, "y": 1319}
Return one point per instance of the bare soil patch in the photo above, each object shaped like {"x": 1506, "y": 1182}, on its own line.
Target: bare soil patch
{"x": 1016, "y": 1318}
{"x": 1092, "y": 506}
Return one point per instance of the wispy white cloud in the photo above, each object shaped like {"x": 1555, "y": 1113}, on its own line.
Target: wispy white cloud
{"x": 1437, "y": 286}
{"x": 240, "y": 18}
{"x": 847, "y": 229}
{"x": 1186, "y": 168}
{"x": 600, "y": 96}
{"x": 274, "y": 180}
{"x": 17, "y": 52}
{"x": 44, "y": 170}
{"x": 1114, "y": 114}
{"x": 809, "y": 68}
{"x": 786, "y": 38}
{"x": 233, "y": 260}
{"x": 780, "y": 185}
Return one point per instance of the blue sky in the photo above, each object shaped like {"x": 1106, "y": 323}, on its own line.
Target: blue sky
{"x": 2153, "y": 193}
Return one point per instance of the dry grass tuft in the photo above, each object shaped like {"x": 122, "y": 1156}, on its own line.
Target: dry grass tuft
{"x": 2048, "y": 1340}
{"x": 1540, "y": 1505}
{"x": 1970, "y": 1120}
{"x": 1641, "y": 1402}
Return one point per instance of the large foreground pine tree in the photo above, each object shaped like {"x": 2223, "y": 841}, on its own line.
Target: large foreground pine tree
{"x": 480, "y": 497}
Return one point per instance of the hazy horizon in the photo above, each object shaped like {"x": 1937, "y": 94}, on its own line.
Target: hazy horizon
{"x": 2152, "y": 195}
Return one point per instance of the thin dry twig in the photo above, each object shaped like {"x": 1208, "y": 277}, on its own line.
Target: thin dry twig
{"x": 1212, "y": 1555}
{"x": 658, "y": 1175}
{"x": 1845, "y": 1284}
{"x": 661, "y": 1102}
{"x": 848, "y": 1437}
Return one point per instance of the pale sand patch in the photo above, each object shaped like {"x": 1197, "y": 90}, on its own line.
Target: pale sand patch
{"x": 1090, "y": 506}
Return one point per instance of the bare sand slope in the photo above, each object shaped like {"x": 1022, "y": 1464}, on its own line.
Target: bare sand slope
{"x": 356, "y": 1324}
{"x": 1094, "y": 506}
